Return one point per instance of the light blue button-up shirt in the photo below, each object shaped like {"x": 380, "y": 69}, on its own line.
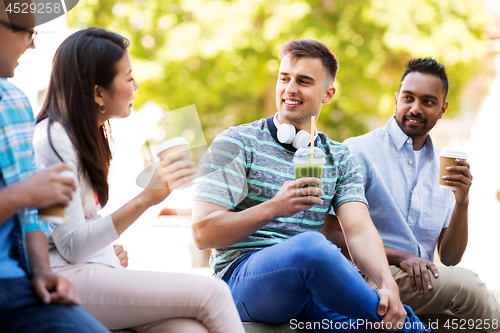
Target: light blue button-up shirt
{"x": 409, "y": 213}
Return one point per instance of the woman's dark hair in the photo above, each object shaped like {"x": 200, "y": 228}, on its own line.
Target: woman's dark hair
{"x": 85, "y": 59}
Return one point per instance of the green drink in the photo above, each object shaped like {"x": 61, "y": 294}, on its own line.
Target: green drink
{"x": 315, "y": 171}
{"x": 309, "y": 163}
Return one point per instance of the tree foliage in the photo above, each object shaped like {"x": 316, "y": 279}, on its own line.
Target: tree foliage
{"x": 221, "y": 55}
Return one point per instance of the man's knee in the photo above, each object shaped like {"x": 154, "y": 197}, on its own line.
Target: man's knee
{"x": 313, "y": 247}
{"x": 454, "y": 279}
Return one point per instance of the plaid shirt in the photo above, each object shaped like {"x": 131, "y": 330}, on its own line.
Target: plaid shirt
{"x": 17, "y": 161}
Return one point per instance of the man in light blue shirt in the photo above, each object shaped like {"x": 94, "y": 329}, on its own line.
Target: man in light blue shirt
{"x": 400, "y": 167}
{"x": 409, "y": 214}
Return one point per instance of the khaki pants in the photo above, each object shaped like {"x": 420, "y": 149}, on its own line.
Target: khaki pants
{"x": 456, "y": 289}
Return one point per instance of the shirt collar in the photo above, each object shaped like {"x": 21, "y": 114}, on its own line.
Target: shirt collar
{"x": 399, "y": 138}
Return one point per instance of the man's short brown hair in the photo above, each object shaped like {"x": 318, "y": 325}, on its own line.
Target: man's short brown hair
{"x": 310, "y": 48}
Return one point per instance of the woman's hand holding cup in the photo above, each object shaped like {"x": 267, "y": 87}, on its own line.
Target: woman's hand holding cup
{"x": 178, "y": 170}
{"x": 175, "y": 170}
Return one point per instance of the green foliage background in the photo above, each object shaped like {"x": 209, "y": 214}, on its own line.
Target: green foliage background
{"x": 221, "y": 55}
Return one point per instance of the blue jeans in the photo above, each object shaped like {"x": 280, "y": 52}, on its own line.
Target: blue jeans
{"x": 306, "y": 279}
{"x": 21, "y": 311}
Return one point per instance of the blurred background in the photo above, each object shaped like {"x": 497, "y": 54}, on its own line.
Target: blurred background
{"x": 221, "y": 56}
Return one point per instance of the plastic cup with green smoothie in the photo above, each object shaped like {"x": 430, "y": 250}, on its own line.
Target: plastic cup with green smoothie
{"x": 305, "y": 166}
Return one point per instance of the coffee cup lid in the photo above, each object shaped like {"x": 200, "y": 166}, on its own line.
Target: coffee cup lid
{"x": 448, "y": 152}
{"x": 167, "y": 144}
{"x": 305, "y": 154}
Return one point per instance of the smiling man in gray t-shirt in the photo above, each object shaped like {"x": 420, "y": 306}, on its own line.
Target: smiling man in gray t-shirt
{"x": 264, "y": 225}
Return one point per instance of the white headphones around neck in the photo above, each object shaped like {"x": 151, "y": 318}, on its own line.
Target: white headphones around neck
{"x": 287, "y": 134}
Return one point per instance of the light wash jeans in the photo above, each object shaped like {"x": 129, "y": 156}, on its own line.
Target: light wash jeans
{"x": 306, "y": 279}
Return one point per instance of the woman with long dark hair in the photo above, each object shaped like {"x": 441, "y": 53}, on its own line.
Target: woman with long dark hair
{"x": 92, "y": 82}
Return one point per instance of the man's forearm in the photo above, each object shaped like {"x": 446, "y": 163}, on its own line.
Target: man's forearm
{"x": 395, "y": 256}
{"x": 215, "y": 227}
{"x": 221, "y": 229}
{"x": 38, "y": 252}
{"x": 453, "y": 241}
{"x": 11, "y": 201}
{"x": 364, "y": 243}
{"x": 368, "y": 254}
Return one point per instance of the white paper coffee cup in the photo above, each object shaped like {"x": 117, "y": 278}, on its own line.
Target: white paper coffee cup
{"x": 446, "y": 159}
{"x": 174, "y": 146}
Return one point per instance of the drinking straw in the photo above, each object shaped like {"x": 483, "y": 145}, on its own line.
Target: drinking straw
{"x": 312, "y": 139}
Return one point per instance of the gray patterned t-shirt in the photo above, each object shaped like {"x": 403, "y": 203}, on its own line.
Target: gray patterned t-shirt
{"x": 246, "y": 165}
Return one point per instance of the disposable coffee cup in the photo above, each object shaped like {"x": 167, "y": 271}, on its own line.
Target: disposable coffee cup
{"x": 309, "y": 163}
{"x": 174, "y": 146}
{"x": 447, "y": 158}
{"x": 55, "y": 213}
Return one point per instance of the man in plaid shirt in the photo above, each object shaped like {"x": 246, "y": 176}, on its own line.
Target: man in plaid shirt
{"x": 32, "y": 298}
